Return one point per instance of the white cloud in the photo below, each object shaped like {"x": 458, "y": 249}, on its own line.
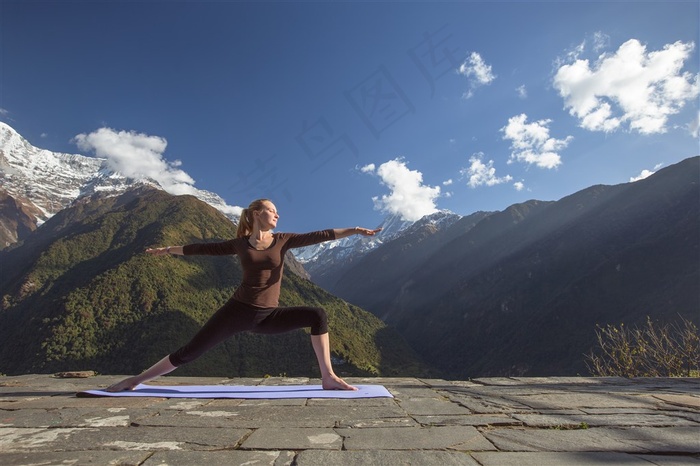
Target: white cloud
{"x": 694, "y": 127}
{"x": 631, "y": 86}
{"x": 600, "y": 41}
{"x": 522, "y": 92}
{"x": 409, "y": 197}
{"x": 137, "y": 155}
{"x": 646, "y": 173}
{"x": 531, "y": 143}
{"x": 369, "y": 168}
{"x": 447, "y": 182}
{"x": 519, "y": 185}
{"x": 482, "y": 174}
{"x": 44, "y": 135}
{"x": 478, "y": 72}
{"x": 576, "y": 51}
{"x": 4, "y": 112}
{"x": 642, "y": 175}
{"x": 140, "y": 156}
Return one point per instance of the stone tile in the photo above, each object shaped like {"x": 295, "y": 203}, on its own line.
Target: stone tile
{"x": 155, "y": 438}
{"x": 586, "y": 400}
{"x": 489, "y": 405}
{"x": 410, "y": 392}
{"x": 680, "y": 400}
{"x": 253, "y": 417}
{"x": 21, "y": 394}
{"x": 446, "y": 384}
{"x": 622, "y": 411}
{"x": 384, "y": 457}
{"x": 502, "y": 392}
{"x": 122, "y": 458}
{"x": 192, "y": 418}
{"x": 669, "y": 460}
{"x": 388, "y": 382}
{"x": 58, "y": 402}
{"x": 465, "y": 438}
{"x": 557, "y": 440}
{"x": 572, "y": 381}
{"x": 661, "y": 440}
{"x": 469, "y": 420}
{"x": 375, "y": 423}
{"x": 333, "y": 403}
{"x": 620, "y": 420}
{"x": 14, "y": 439}
{"x": 628, "y": 440}
{"x": 692, "y": 383}
{"x": 432, "y": 406}
{"x": 179, "y": 404}
{"x": 689, "y": 414}
{"x": 114, "y": 438}
{"x": 31, "y": 418}
{"x": 188, "y": 458}
{"x": 293, "y": 439}
{"x": 496, "y": 381}
{"x": 584, "y": 458}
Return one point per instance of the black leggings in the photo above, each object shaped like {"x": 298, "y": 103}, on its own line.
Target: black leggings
{"x": 235, "y": 317}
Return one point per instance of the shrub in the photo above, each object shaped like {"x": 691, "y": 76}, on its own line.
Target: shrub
{"x": 652, "y": 350}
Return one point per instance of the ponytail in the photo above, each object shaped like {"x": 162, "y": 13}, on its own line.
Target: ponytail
{"x": 245, "y": 224}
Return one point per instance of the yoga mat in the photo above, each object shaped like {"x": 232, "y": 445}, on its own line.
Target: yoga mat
{"x": 245, "y": 391}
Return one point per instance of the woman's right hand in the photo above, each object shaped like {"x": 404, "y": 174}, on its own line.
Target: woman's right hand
{"x": 127, "y": 384}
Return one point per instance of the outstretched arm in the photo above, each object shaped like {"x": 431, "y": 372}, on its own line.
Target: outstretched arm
{"x": 345, "y": 232}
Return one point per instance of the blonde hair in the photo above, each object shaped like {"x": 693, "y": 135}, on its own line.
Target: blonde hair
{"x": 245, "y": 224}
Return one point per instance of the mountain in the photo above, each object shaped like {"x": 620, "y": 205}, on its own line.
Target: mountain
{"x": 377, "y": 277}
{"x": 315, "y": 256}
{"x": 41, "y": 183}
{"x": 520, "y": 292}
{"x": 79, "y": 293}
{"x": 17, "y": 219}
{"x": 326, "y": 261}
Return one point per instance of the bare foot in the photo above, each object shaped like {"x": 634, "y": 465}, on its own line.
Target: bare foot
{"x": 124, "y": 385}
{"x": 333, "y": 382}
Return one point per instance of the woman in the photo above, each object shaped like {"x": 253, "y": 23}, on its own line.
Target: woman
{"x": 254, "y": 306}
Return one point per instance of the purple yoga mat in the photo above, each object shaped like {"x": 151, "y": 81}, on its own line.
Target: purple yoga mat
{"x": 246, "y": 391}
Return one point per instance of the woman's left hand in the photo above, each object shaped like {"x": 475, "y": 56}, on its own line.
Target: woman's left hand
{"x": 158, "y": 251}
{"x": 367, "y": 231}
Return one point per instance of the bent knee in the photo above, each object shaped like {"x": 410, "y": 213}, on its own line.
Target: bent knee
{"x": 320, "y": 325}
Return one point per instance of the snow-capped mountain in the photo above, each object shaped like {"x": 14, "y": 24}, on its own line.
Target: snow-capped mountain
{"x": 50, "y": 181}
{"x": 440, "y": 220}
{"x": 321, "y": 256}
{"x": 351, "y": 245}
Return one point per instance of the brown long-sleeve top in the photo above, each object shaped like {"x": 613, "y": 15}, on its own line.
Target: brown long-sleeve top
{"x": 262, "y": 270}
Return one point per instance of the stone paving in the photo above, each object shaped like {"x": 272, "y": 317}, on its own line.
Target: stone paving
{"x": 488, "y": 422}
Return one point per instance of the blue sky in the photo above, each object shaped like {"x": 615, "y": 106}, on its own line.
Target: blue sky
{"x": 345, "y": 112}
